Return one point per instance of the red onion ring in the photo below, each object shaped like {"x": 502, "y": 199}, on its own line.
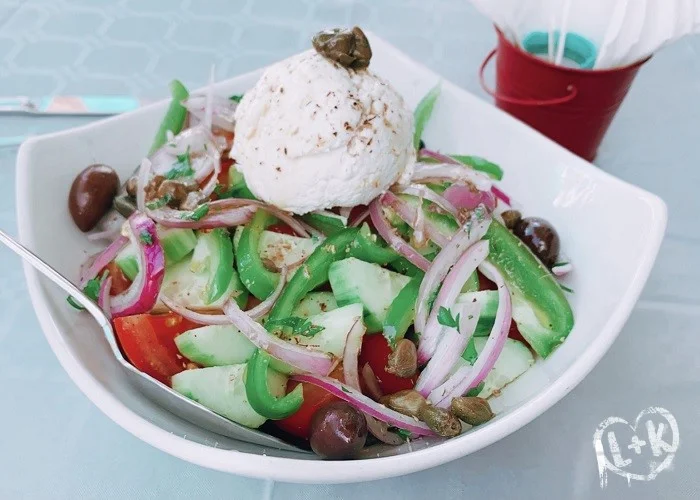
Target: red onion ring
{"x": 437, "y": 156}
{"x": 409, "y": 215}
{"x": 393, "y": 240}
{"x": 265, "y": 306}
{"x": 451, "y": 288}
{"x": 449, "y": 350}
{"x": 426, "y": 172}
{"x": 143, "y": 292}
{"x": 360, "y": 218}
{"x": 462, "y": 196}
{"x": 425, "y": 192}
{"x": 469, "y": 377}
{"x": 101, "y": 260}
{"x": 501, "y": 195}
{"x": 353, "y": 344}
{"x": 366, "y": 405}
{"x": 200, "y": 318}
{"x": 371, "y": 383}
{"x": 467, "y": 235}
{"x": 300, "y": 358}
{"x": 223, "y": 111}
{"x": 103, "y": 298}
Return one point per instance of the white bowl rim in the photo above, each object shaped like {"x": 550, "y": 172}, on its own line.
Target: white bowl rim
{"x": 299, "y": 470}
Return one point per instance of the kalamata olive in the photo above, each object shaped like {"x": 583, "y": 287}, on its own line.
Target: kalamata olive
{"x": 338, "y": 431}
{"x": 91, "y": 195}
{"x": 541, "y": 237}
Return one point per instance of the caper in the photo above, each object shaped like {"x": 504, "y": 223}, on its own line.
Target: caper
{"x": 443, "y": 422}
{"x": 472, "y": 410}
{"x": 403, "y": 361}
{"x": 409, "y": 402}
{"x": 350, "y": 48}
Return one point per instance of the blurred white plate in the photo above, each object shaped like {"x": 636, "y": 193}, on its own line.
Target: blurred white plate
{"x": 611, "y": 230}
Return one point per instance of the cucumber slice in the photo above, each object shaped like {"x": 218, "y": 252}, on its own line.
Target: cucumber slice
{"x": 489, "y": 305}
{"x": 515, "y": 359}
{"x": 191, "y": 289}
{"x": 327, "y": 222}
{"x": 531, "y": 328}
{"x": 315, "y": 303}
{"x": 336, "y": 326}
{"x": 281, "y": 249}
{"x": 222, "y": 390}
{"x": 215, "y": 345}
{"x": 354, "y": 281}
{"x": 213, "y": 256}
{"x": 177, "y": 244}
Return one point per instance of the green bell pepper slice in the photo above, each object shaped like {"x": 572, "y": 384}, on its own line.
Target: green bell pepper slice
{"x": 174, "y": 118}
{"x": 256, "y": 278}
{"x": 402, "y": 311}
{"x": 327, "y": 224}
{"x": 529, "y": 280}
{"x": 367, "y": 247}
{"x": 214, "y": 255}
{"x": 313, "y": 272}
{"x": 258, "y": 392}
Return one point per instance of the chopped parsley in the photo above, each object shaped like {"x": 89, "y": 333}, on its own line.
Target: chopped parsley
{"x": 345, "y": 389}
{"x": 197, "y": 214}
{"x": 476, "y": 390}
{"x": 432, "y": 297}
{"x": 222, "y": 191}
{"x": 445, "y": 318}
{"x": 92, "y": 290}
{"x": 160, "y": 202}
{"x": 403, "y": 434}
{"x": 566, "y": 288}
{"x": 182, "y": 167}
{"x": 74, "y": 303}
{"x": 299, "y": 326}
{"x": 236, "y": 97}
{"x": 146, "y": 238}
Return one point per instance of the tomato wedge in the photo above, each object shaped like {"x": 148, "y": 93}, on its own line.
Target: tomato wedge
{"x": 315, "y": 397}
{"x": 148, "y": 343}
{"x": 376, "y": 351}
{"x": 120, "y": 283}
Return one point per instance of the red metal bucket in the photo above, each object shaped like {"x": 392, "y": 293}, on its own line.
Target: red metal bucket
{"x": 573, "y": 107}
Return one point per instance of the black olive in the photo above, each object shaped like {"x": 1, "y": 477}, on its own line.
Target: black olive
{"x": 541, "y": 237}
{"x": 91, "y": 195}
{"x": 338, "y": 431}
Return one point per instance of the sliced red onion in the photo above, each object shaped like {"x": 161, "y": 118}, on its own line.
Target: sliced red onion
{"x": 425, "y": 192}
{"x": 449, "y": 350}
{"x": 394, "y": 240}
{"x": 501, "y": 195}
{"x": 409, "y": 214}
{"x": 371, "y": 383}
{"x": 451, "y": 288}
{"x": 100, "y": 261}
{"x": 142, "y": 181}
{"x": 223, "y": 110}
{"x": 563, "y": 267}
{"x": 169, "y": 217}
{"x": 462, "y": 196}
{"x": 360, "y": 218}
{"x": 426, "y": 172}
{"x": 469, "y": 377}
{"x": 300, "y": 358}
{"x": 311, "y": 230}
{"x": 470, "y": 233}
{"x": 142, "y": 294}
{"x": 265, "y": 306}
{"x": 200, "y": 318}
{"x": 103, "y": 298}
{"x": 437, "y": 156}
{"x": 366, "y": 405}
{"x": 345, "y": 212}
{"x": 351, "y": 353}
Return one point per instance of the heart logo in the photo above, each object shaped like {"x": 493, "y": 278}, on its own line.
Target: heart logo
{"x": 637, "y": 452}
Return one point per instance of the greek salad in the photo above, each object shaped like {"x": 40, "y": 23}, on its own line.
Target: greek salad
{"x": 297, "y": 259}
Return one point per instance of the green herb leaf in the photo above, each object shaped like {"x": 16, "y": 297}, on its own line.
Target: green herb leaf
{"x": 92, "y": 289}
{"x": 74, "y": 303}
{"x": 445, "y": 318}
{"x": 197, "y": 214}
{"x": 403, "y": 434}
{"x": 223, "y": 192}
{"x": 345, "y": 389}
{"x": 182, "y": 167}
{"x": 299, "y": 326}
{"x": 476, "y": 390}
{"x": 566, "y": 288}
{"x": 422, "y": 113}
{"x": 557, "y": 264}
{"x": 160, "y": 202}
{"x": 432, "y": 297}
{"x": 236, "y": 97}
{"x": 146, "y": 238}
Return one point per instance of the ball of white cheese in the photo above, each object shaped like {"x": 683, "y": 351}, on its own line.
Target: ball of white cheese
{"x": 313, "y": 135}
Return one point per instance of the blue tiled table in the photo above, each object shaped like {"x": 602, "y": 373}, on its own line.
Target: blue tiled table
{"x": 55, "y": 444}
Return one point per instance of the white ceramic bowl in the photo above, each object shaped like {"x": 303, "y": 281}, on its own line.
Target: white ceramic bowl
{"x": 610, "y": 230}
